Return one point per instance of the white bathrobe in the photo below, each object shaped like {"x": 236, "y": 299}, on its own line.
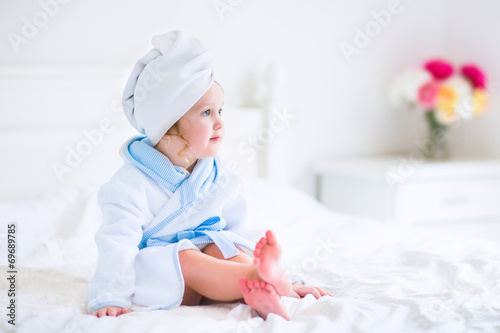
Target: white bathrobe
{"x": 151, "y": 211}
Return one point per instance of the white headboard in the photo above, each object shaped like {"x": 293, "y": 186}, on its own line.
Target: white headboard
{"x": 65, "y": 125}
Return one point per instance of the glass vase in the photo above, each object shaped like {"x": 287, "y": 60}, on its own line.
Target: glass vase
{"x": 436, "y": 145}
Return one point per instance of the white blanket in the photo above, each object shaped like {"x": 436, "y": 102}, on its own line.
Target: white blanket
{"x": 383, "y": 278}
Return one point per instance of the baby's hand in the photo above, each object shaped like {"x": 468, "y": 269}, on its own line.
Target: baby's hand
{"x": 300, "y": 290}
{"x": 112, "y": 311}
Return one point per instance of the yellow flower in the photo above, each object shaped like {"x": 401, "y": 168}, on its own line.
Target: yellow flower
{"x": 480, "y": 101}
{"x": 445, "y": 105}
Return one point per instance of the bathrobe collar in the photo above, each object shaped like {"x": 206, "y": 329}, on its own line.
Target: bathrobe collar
{"x": 141, "y": 153}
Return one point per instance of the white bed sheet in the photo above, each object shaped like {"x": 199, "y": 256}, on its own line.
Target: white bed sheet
{"x": 383, "y": 278}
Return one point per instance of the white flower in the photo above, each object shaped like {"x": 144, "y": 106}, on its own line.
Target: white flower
{"x": 403, "y": 91}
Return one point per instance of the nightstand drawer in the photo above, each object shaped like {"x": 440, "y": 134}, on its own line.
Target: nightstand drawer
{"x": 425, "y": 202}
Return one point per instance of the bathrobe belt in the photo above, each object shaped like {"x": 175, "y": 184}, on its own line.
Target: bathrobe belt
{"x": 210, "y": 230}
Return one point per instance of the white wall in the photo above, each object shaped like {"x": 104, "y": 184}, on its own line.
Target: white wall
{"x": 471, "y": 29}
{"x": 341, "y": 106}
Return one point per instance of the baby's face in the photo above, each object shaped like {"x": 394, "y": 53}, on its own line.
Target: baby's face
{"x": 202, "y": 125}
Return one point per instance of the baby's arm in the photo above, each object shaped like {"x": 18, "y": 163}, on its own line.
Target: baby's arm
{"x": 113, "y": 283}
{"x": 112, "y": 311}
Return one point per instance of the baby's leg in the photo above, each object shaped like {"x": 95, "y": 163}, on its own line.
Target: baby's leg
{"x": 267, "y": 255}
{"x": 212, "y": 250}
{"x": 214, "y": 278}
{"x": 225, "y": 280}
{"x": 205, "y": 274}
{"x": 191, "y": 297}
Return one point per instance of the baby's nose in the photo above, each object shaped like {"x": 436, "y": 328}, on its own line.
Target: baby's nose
{"x": 218, "y": 124}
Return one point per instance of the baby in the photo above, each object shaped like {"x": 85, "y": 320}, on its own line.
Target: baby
{"x": 172, "y": 216}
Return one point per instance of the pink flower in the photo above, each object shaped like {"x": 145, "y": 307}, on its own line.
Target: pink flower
{"x": 440, "y": 69}
{"x": 427, "y": 94}
{"x": 475, "y": 76}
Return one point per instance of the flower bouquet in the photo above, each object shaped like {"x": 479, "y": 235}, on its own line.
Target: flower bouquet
{"x": 444, "y": 96}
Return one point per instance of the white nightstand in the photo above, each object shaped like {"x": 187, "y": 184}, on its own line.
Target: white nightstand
{"x": 431, "y": 193}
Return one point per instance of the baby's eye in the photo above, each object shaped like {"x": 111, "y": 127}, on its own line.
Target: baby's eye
{"x": 220, "y": 112}
{"x": 206, "y": 113}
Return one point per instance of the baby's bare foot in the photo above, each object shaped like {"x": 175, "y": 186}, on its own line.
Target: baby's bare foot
{"x": 267, "y": 255}
{"x": 262, "y": 297}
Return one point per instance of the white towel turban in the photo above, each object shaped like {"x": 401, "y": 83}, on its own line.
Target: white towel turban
{"x": 166, "y": 82}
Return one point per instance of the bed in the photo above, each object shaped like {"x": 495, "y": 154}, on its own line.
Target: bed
{"x": 383, "y": 278}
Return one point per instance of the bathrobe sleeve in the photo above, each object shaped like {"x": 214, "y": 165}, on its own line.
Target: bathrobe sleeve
{"x": 124, "y": 204}
{"x": 236, "y": 210}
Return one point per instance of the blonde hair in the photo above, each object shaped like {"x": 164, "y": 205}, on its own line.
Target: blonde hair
{"x": 175, "y": 130}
